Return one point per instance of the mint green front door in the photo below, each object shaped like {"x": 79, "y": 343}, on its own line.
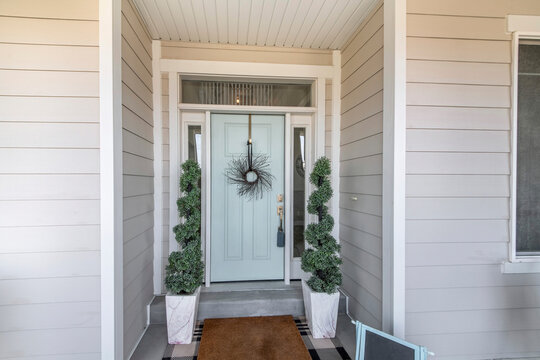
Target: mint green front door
{"x": 243, "y": 243}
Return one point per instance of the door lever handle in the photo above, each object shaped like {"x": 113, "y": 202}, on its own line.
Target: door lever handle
{"x": 280, "y": 233}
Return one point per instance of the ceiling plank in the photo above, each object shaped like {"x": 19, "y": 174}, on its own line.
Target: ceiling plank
{"x": 211, "y": 20}
{"x": 288, "y": 19}
{"x": 222, "y": 21}
{"x": 326, "y": 12}
{"x": 297, "y": 22}
{"x": 179, "y": 21}
{"x": 276, "y": 22}
{"x": 329, "y": 24}
{"x": 166, "y": 15}
{"x": 159, "y": 23}
{"x": 187, "y": 13}
{"x": 315, "y": 24}
{"x": 243, "y": 11}
{"x": 199, "y": 15}
{"x": 141, "y": 8}
{"x": 351, "y": 25}
{"x": 340, "y": 22}
{"x": 309, "y": 19}
{"x": 254, "y": 21}
{"x": 266, "y": 18}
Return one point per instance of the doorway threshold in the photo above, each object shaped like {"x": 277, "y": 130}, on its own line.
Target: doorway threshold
{"x": 251, "y": 285}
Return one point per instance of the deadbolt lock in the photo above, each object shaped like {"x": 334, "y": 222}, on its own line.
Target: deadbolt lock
{"x": 280, "y": 198}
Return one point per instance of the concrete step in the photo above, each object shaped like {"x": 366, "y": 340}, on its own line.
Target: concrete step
{"x": 240, "y": 301}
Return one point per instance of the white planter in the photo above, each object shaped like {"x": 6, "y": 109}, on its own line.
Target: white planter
{"x": 321, "y": 312}
{"x": 181, "y": 317}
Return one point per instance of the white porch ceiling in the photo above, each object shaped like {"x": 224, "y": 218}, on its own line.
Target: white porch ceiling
{"x": 316, "y": 24}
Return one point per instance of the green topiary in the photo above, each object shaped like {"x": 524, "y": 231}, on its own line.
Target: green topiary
{"x": 185, "y": 269}
{"x": 322, "y": 259}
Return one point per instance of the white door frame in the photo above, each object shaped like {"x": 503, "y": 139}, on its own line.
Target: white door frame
{"x": 201, "y": 117}
{"x": 177, "y": 68}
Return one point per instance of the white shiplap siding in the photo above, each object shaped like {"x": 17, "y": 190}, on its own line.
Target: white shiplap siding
{"x": 49, "y": 180}
{"x": 138, "y": 155}
{"x": 361, "y": 168}
{"x": 272, "y": 23}
{"x": 458, "y": 303}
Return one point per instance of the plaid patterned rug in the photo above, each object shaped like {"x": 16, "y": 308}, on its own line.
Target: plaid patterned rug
{"x": 319, "y": 349}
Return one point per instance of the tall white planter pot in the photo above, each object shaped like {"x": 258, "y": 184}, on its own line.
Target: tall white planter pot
{"x": 321, "y": 312}
{"x": 181, "y": 317}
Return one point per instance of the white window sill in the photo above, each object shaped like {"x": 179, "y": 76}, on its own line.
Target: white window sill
{"x": 524, "y": 267}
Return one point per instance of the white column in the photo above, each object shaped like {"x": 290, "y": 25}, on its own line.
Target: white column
{"x": 174, "y": 157}
{"x": 111, "y": 221}
{"x": 336, "y": 138}
{"x": 206, "y": 196}
{"x": 158, "y": 167}
{"x": 394, "y": 136}
{"x": 321, "y": 115}
{"x": 289, "y": 163}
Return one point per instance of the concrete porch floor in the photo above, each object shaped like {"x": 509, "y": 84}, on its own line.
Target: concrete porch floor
{"x": 154, "y": 341}
{"x": 235, "y": 300}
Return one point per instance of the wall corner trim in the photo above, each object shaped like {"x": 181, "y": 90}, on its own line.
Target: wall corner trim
{"x": 111, "y": 191}
{"x": 394, "y": 151}
{"x": 336, "y": 138}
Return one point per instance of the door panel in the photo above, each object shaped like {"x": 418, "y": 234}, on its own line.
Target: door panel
{"x": 243, "y": 242}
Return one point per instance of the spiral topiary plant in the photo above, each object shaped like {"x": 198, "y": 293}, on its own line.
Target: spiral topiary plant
{"x": 322, "y": 259}
{"x": 185, "y": 268}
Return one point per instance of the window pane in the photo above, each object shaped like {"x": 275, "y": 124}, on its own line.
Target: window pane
{"x": 299, "y": 190}
{"x": 194, "y": 143}
{"x": 245, "y": 93}
{"x": 528, "y": 150}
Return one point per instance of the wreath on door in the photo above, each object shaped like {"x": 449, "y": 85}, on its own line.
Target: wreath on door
{"x": 250, "y": 173}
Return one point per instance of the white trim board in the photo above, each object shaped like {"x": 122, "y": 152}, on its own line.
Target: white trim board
{"x": 288, "y": 197}
{"x": 247, "y": 69}
{"x": 299, "y": 121}
{"x": 250, "y": 109}
{"x": 184, "y": 122}
{"x": 394, "y": 151}
{"x": 179, "y": 68}
{"x": 206, "y": 195}
{"x": 158, "y": 167}
{"x": 174, "y": 155}
{"x": 336, "y": 139}
{"x": 523, "y": 23}
{"x": 513, "y": 266}
{"x": 111, "y": 192}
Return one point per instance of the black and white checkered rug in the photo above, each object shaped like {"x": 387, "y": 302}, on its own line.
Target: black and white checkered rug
{"x": 319, "y": 349}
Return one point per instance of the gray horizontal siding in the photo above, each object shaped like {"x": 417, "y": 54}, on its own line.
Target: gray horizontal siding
{"x": 49, "y": 180}
{"x": 138, "y": 155}
{"x": 361, "y": 169}
{"x": 458, "y": 303}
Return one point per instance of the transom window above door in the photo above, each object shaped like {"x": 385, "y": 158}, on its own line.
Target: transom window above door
{"x": 247, "y": 93}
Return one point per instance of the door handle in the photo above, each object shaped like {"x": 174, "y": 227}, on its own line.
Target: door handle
{"x": 280, "y": 233}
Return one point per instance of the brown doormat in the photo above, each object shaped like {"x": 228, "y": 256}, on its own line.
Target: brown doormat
{"x": 265, "y": 337}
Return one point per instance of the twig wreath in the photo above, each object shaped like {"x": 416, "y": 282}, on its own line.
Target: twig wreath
{"x": 251, "y": 174}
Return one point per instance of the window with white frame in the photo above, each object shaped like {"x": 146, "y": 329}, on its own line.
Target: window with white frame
{"x": 527, "y": 149}
{"x": 248, "y": 93}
